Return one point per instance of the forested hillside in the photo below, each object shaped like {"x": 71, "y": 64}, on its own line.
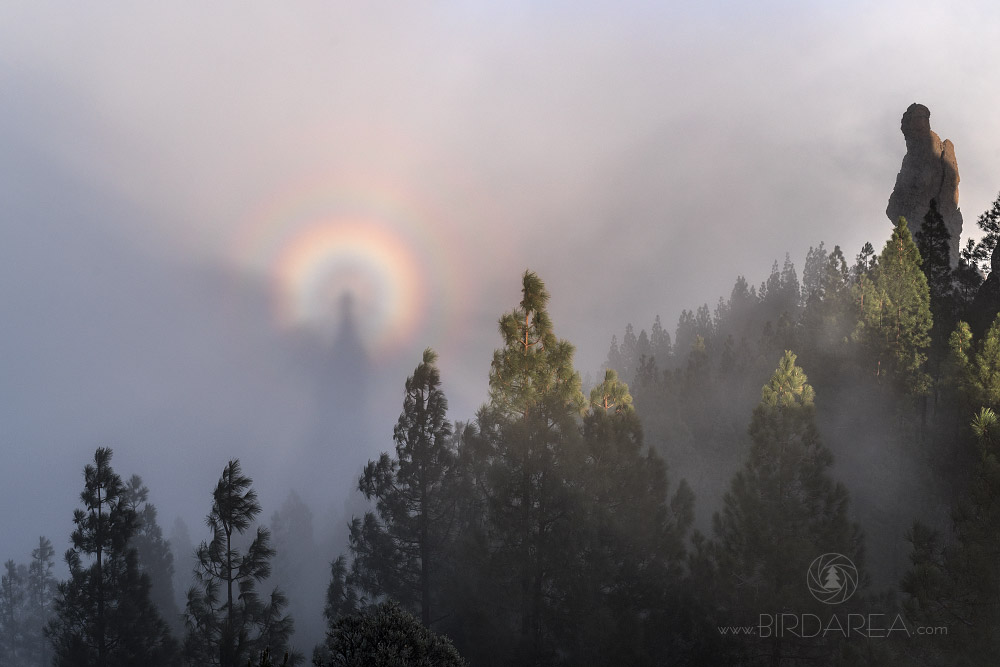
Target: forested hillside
{"x": 669, "y": 514}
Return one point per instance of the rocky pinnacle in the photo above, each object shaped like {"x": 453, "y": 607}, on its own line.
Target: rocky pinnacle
{"x": 929, "y": 171}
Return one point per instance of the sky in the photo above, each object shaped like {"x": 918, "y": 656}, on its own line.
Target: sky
{"x": 187, "y": 192}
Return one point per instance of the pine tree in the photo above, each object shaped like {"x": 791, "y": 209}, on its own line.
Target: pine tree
{"x": 864, "y": 263}
{"x": 621, "y": 592}
{"x": 957, "y": 585}
{"x": 958, "y": 400}
{"x": 155, "y": 557}
{"x": 978, "y": 255}
{"x": 614, "y": 359}
{"x": 770, "y": 289}
{"x": 836, "y": 277}
{"x": 103, "y": 613}
{"x": 185, "y": 560}
{"x": 629, "y": 351}
{"x": 957, "y": 374}
{"x": 643, "y": 350}
{"x": 659, "y": 340}
{"x": 782, "y": 511}
{"x": 829, "y": 316}
{"x": 684, "y": 335}
{"x": 720, "y": 318}
{"x": 895, "y": 315}
{"x": 399, "y": 549}
{"x": 12, "y": 614}
{"x": 527, "y": 454}
{"x": 41, "y": 592}
{"x": 385, "y": 635}
{"x": 704, "y": 326}
{"x": 813, "y": 273}
{"x": 790, "y": 289}
{"x": 984, "y": 372}
{"x": 297, "y": 565}
{"x": 934, "y": 244}
{"x": 341, "y": 595}
{"x": 26, "y": 600}
{"x": 228, "y": 623}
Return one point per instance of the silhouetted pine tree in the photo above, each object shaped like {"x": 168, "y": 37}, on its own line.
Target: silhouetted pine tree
{"x": 934, "y": 244}
{"x": 956, "y": 585}
{"x": 978, "y": 255}
{"x": 399, "y": 550}
{"x": 621, "y": 586}
{"x": 13, "y": 603}
{"x": 227, "y": 621}
{"x": 42, "y": 588}
{"x": 103, "y": 613}
{"x": 155, "y": 557}
{"x": 26, "y": 601}
{"x": 386, "y": 635}
{"x": 864, "y": 263}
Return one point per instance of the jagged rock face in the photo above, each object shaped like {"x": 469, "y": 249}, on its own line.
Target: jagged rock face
{"x": 929, "y": 171}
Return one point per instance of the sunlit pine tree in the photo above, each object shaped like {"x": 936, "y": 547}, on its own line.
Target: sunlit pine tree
{"x": 529, "y": 453}
{"x": 895, "y": 315}
{"x": 782, "y": 511}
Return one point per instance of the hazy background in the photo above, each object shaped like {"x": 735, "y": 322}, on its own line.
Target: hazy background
{"x": 155, "y": 161}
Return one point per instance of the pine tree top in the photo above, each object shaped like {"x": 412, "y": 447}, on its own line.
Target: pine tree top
{"x": 611, "y": 395}
{"x": 788, "y": 387}
{"x": 901, "y": 256}
{"x": 235, "y": 504}
{"x": 533, "y": 365}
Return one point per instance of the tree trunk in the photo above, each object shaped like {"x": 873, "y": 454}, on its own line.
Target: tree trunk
{"x": 101, "y": 648}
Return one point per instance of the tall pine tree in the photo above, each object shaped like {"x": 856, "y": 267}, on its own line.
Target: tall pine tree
{"x": 978, "y": 255}
{"x": 12, "y": 613}
{"x": 527, "y": 454}
{"x": 41, "y": 591}
{"x": 155, "y": 557}
{"x": 622, "y": 590}
{"x": 103, "y": 613}
{"x": 228, "y": 622}
{"x": 781, "y": 512}
{"x": 934, "y": 244}
{"x": 895, "y": 315}
{"x": 956, "y": 585}
{"x": 399, "y": 549}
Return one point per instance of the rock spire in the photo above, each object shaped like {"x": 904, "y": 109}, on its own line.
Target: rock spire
{"x": 929, "y": 171}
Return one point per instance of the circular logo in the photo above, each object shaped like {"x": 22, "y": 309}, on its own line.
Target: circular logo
{"x": 832, "y": 578}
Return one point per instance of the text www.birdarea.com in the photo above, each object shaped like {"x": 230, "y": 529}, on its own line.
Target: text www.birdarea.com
{"x": 868, "y": 626}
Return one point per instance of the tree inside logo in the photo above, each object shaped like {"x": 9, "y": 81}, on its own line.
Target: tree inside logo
{"x": 832, "y": 578}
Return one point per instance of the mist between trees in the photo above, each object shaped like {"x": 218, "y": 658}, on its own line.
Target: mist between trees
{"x": 689, "y": 488}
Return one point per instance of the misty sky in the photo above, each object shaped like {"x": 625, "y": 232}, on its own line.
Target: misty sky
{"x": 187, "y": 191}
